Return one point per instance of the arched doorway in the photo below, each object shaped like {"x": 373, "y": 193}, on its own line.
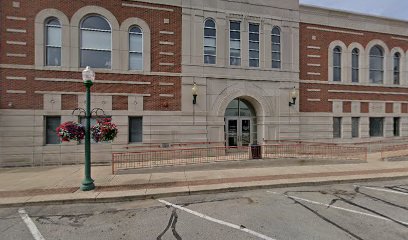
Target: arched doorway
{"x": 240, "y": 123}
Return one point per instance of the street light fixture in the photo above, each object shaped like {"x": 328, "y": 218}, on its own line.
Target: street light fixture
{"x": 293, "y": 94}
{"x": 88, "y": 76}
{"x": 195, "y": 91}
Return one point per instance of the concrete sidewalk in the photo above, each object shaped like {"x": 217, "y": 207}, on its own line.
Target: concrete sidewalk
{"x": 60, "y": 184}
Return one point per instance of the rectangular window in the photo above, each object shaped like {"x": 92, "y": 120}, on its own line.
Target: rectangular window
{"x": 276, "y": 47}
{"x": 355, "y": 127}
{"x": 235, "y": 43}
{"x": 51, "y": 124}
{"x": 253, "y": 45}
{"x": 337, "y": 127}
{"x": 135, "y": 129}
{"x": 376, "y": 127}
{"x": 397, "y": 121}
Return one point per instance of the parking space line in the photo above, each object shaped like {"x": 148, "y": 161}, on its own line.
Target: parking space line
{"x": 382, "y": 190}
{"x": 231, "y": 225}
{"x": 30, "y": 224}
{"x": 340, "y": 208}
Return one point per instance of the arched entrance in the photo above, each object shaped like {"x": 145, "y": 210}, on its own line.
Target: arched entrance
{"x": 240, "y": 123}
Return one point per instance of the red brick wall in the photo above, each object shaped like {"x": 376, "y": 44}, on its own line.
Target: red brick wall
{"x": 324, "y": 95}
{"x": 364, "y": 108}
{"x": 30, "y": 100}
{"x": 404, "y": 107}
{"x": 323, "y": 40}
{"x": 347, "y": 107}
{"x": 389, "y": 108}
{"x": 69, "y": 102}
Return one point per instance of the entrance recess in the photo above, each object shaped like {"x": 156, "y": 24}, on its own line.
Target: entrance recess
{"x": 240, "y": 124}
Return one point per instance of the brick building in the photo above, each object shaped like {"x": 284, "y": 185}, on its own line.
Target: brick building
{"x": 245, "y": 56}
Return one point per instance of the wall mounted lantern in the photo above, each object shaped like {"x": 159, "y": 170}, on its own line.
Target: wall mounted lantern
{"x": 194, "y": 91}
{"x": 293, "y": 96}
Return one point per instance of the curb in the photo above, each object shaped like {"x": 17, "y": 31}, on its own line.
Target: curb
{"x": 197, "y": 192}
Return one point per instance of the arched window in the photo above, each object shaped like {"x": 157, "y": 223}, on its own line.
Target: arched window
{"x": 276, "y": 48}
{"x": 96, "y": 42}
{"x": 52, "y": 42}
{"x": 376, "y": 64}
{"x": 337, "y": 64}
{"x": 397, "y": 64}
{"x": 355, "y": 61}
{"x": 135, "y": 48}
{"x": 210, "y": 42}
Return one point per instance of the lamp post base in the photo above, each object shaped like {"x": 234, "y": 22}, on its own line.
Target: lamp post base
{"x": 87, "y": 185}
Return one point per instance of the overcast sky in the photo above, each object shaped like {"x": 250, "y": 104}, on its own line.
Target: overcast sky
{"x": 387, "y": 8}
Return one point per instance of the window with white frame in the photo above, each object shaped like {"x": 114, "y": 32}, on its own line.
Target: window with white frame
{"x": 253, "y": 45}
{"x": 397, "y": 64}
{"x": 52, "y": 42}
{"x": 135, "y": 48}
{"x": 355, "y": 127}
{"x": 355, "y": 61}
{"x": 337, "y": 127}
{"x": 210, "y": 42}
{"x": 135, "y": 129}
{"x": 337, "y": 64}
{"x": 376, "y": 64}
{"x": 96, "y": 42}
{"x": 51, "y": 124}
{"x": 276, "y": 48}
{"x": 235, "y": 43}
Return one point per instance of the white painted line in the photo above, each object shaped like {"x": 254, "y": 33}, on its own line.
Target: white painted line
{"x": 30, "y": 224}
{"x": 231, "y": 225}
{"x": 382, "y": 190}
{"x": 340, "y": 208}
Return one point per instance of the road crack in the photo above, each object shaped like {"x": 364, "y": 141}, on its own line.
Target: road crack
{"x": 172, "y": 223}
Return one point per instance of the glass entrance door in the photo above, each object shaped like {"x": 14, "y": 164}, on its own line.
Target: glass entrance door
{"x": 240, "y": 124}
{"x": 238, "y": 132}
{"x": 232, "y": 132}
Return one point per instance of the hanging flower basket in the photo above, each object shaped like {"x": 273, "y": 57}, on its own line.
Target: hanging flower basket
{"x": 70, "y": 131}
{"x": 104, "y": 130}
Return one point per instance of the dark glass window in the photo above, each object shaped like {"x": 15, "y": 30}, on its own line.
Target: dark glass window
{"x": 376, "y": 127}
{"x": 210, "y": 42}
{"x": 253, "y": 45}
{"x": 53, "y": 42}
{"x": 51, "y": 124}
{"x": 276, "y": 47}
{"x": 337, "y": 127}
{"x": 135, "y": 129}
{"x": 355, "y": 127}
{"x": 396, "y": 128}
{"x": 235, "y": 43}
{"x": 376, "y": 65}
{"x": 337, "y": 64}
{"x": 355, "y": 61}
{"x": 96, "y": 42}
{"x": 397, "y": 64}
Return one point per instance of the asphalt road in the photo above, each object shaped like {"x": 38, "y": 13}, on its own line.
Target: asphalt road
{"x": 369, "y": 210}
